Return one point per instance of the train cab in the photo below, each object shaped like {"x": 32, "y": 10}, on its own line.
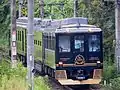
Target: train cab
{"x": 79, "y": 52}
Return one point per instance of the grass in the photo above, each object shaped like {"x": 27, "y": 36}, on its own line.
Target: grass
{"x": 15, "y": 78}
{"x": 41, "y": 84}
{"x": 13, "y": 83}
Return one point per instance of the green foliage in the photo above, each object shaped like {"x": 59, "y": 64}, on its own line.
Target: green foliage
{"x": 41, "y": 83}
{"x": 5, "y": 19}
{"x": 4, "y": 22}
{"x": 115, "y": 83}
{"x": 55, "y": 11}
{"x": 109, "y": 71}
{"x": 12, "y": 79}
{"x": 15, "y": 78}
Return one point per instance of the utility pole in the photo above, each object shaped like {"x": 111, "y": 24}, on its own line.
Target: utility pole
{"x": 75, "y": 8}
{"x": 30, "y": 45}
{"x": 13, "y": 34}
{"x": 117, "y": 23}
{"x": 41, "y": 9}
{"x": 20, "y": 7}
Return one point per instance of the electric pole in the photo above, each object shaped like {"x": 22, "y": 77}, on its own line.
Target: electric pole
{"x": 30, "y": 45}
{"x": 13, "y": 34}
{"x": 41, "y": 9}
{"x": 75, "y": 8}
{"x": 117, "y": 27}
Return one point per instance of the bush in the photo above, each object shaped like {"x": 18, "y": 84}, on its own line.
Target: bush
{"x": 109, "y": 71}
{"x": 15, "y": 78}
{"x": 41, "y": 83}
{"x": 12, "y": 79}
{"x": 115, "y": 83}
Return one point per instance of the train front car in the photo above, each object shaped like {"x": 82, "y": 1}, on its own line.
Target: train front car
{"x": 79, "y": 55}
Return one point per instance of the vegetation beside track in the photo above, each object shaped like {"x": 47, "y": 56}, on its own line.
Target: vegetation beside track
{"x": 15, "y": 78}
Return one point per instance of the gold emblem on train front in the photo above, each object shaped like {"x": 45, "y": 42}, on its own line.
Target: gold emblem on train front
{"x": 79, "y": 60}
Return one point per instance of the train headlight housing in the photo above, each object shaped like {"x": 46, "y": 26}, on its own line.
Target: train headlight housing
{"x": 60, "y": 63}
{"x": 98, "y": 64}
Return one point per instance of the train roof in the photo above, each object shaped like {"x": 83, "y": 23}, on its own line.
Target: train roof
{"x": 55, "y": 22}
{"x": 75, "y": 24}
{"x": 49, "y": 23}
{"x": 78, "y": 30}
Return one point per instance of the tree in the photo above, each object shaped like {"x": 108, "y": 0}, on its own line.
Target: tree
{"x": 5, "y": 18}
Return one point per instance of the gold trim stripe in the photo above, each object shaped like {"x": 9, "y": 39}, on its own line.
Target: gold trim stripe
{"x": 85, "y": 64}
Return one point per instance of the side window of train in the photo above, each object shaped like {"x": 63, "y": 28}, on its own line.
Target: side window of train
{"x": 17, "y": 35}
{"x": 94, "y": 43}
{"x": 53, "y": 43}
{"x": 20, "y": 35}
{"x": 49, "y": 43}
{"x": 79, "y": 43}
{"x": 45, "y": 40}
{"x": 64, "y": 43}
{"x": 40, "y": 43}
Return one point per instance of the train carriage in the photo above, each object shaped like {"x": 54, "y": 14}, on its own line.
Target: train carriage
{"x": 68, "y": 50}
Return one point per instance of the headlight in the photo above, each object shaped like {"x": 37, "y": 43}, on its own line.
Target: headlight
{"x": 98, "y": 62}
{"x": 60, "y": 63}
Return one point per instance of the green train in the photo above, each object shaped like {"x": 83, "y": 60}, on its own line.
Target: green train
{"x": 69, "y": 50}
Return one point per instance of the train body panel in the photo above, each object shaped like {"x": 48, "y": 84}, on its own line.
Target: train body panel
{"x": 21, "y": 41}
{"x": 50, "y": 58}
{"x": 38, "y": 45}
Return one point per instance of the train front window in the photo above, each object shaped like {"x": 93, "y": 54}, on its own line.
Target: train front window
{"x": 64, "y": 43}
{"x": 94, "y": 43}
{"x": 79, "y": 43}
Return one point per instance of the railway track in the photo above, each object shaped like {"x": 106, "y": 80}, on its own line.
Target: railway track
{"x": 57, "y": 86}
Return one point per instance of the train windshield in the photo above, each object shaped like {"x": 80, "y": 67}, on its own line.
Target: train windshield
{"x": 64, "y": 43}
{"x": 79, "y": 43}
{"x": 94, "y": 43}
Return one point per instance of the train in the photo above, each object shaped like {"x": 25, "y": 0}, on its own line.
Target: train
{"x": 68, "y": 50}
